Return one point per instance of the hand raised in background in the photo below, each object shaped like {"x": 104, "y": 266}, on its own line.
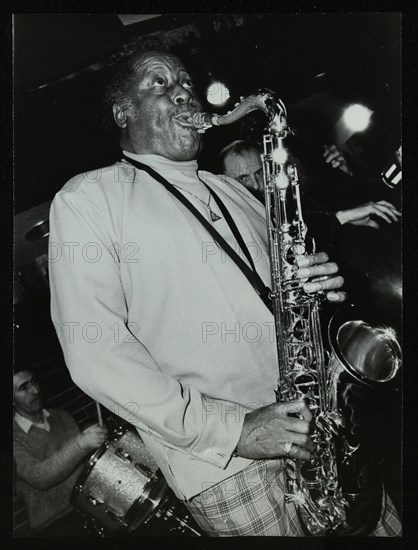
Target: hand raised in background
{"x": 363, "y": 214}
{"x": 333, "y": 156}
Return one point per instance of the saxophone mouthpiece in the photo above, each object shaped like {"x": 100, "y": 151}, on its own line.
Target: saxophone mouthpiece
{"x": 202, "y": 121}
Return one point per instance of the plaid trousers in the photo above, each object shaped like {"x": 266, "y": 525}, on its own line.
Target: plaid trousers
{"x": 252, "y": 503}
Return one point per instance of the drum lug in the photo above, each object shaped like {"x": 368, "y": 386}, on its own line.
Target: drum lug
{"x": 144, "y": 470}
{"x": 95, "y": 501}
{"x": 123, "y": 454}
{"x": 113, "y": 515}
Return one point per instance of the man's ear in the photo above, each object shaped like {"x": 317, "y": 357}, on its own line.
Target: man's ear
{"x": 120, "y": 116}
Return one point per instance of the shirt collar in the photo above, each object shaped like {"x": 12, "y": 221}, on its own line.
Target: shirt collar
{"x": 159, "y": 163}
{"x": 26, "y": 424}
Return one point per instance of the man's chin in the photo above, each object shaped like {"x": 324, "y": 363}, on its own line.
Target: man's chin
{"x": 190, "y": 148}
{"x": 37, "y": 406}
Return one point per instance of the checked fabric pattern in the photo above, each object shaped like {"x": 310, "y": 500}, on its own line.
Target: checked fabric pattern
{"x": 252, "y": 503}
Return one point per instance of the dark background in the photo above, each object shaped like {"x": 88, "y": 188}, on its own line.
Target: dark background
{"x": 60, "y": 70}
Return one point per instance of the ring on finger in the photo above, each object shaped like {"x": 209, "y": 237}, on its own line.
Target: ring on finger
{"x": 287, "y": 447}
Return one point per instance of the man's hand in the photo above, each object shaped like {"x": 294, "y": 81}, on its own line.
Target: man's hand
{"x": 361, "y": 215}
{"x": 316, "y": 274}
{"x": 268, "y": 432}
{"x": 337, "y": 160}
{"x": 92, "y": 437}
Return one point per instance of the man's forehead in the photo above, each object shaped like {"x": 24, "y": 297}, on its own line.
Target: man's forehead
{"x": 243, "y": 156}
{"x": 247, "y": 157}
{"x": 22, "y": 377}
{"x": 149, "y": 60}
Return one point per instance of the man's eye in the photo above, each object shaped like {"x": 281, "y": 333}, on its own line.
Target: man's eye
{"x": 188, "y": 83}
{"x": 259, "y": 172}
{"x": 159, "y": 82}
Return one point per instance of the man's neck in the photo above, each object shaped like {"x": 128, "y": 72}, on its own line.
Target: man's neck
{"x": 35, "y": 417}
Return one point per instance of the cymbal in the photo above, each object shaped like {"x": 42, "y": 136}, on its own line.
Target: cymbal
{"x": 31, "y": 231}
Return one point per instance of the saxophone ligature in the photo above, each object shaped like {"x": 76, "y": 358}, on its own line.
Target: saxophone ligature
{"x": 325, "y": 490}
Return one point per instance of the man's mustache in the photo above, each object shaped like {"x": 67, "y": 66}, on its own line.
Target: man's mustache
{"x": 188, "y": 109}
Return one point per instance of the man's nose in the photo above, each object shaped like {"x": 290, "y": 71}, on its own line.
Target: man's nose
{"x": 253, "y": 181}
{"x": 259, "y": 182}
{"x": 35, "y": 388}
{"x": 181, "y": 95}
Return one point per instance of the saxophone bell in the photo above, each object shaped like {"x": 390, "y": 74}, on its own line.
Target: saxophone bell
{"x": 370, "y": 354}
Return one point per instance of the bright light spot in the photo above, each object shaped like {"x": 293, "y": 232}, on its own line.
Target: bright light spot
{"x": 397, "y": 289}
{"x": 280, "y": 155}
{"x": 357, "y": 117}
{"x": 217, "y": 93}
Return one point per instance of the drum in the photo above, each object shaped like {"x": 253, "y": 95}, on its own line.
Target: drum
{"x": 120, "y": 487}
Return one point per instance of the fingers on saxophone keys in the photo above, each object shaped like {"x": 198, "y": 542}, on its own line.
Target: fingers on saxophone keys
{"x": 320, "y": 272}
{"x": 336, "y": 296}
{"x": 297, "y": 413}
{"x": 296, "y": 452}
{"x": 300, "y": 429}
{"x": 312, "y": 259}
{"x": 320, "y": 286}
{"x": 302, "y": 440}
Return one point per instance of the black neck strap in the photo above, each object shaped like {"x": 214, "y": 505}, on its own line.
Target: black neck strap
{"x": 251, "y": 274}
{"x": 232, "y": 226}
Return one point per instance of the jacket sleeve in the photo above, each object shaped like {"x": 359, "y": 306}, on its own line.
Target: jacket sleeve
{"x": 47, "y": 473}
{"x": 113, "y": 366}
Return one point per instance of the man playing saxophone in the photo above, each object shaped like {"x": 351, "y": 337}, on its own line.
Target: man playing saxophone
{"x": 184, "y": 347}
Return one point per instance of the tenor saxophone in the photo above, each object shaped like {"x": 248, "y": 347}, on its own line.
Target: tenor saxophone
{"x": 325, "y": 490}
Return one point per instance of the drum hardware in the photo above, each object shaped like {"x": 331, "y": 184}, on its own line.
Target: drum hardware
{"x": 117, "y": 492}
{"x": 120, "y": 430}
{"x": 169, "y": 513}
{"x": 114, "y": 515}
{"x": 123, "y": 454}
{"x": 38, "y": 231}
{"x": 171, "y": 519}
{"x": 144, "y": 469}
{"x": 122, "y": 492}
{"x": 94, "y": 500}
{"x": 31, "y": 230}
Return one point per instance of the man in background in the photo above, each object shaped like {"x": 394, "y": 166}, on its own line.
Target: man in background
{"x": 48, "y": 449}
{"x": 241, "y": 160}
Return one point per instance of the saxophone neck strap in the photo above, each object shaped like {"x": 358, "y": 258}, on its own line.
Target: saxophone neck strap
{"x": 250, "y": 273}
{"x": 232, "y": 225}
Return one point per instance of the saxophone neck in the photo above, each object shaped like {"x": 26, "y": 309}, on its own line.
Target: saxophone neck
{"x": 263, "y": 100}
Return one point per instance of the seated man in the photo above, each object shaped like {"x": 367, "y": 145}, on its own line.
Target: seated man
{"x": 48, "y": 449}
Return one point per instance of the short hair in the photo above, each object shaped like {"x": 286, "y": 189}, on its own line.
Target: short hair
{"x": 122, "y": 73}
{"x": 237, "y": 147}
{"x": 21, "y": 367}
